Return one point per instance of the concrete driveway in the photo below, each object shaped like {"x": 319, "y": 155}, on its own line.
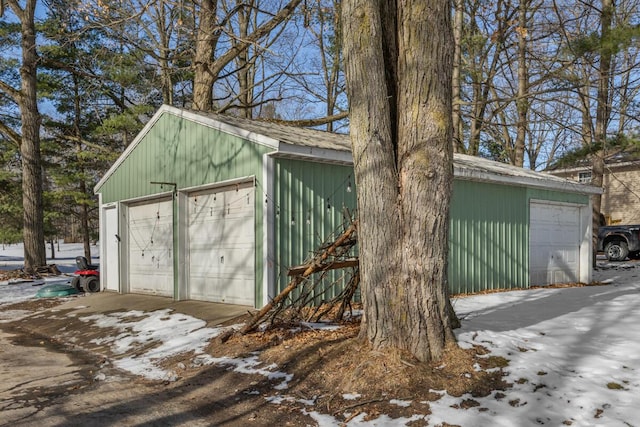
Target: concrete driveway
{"x": 53, "y": 374}
{"x": 106, "y": 302}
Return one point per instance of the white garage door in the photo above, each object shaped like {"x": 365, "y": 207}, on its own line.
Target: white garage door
{"x": 222, "y": 245}
{"x": 554, "y": 240}
{"x": 150, "y": 241}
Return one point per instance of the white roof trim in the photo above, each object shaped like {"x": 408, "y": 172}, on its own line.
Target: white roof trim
{"x": 567, "y": 185}
{"x": 226, "y": 183}
{"x": 313, "y": 154}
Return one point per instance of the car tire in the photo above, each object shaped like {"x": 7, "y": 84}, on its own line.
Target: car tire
{"x": 92, "y": 284}
{"x": 616, "y": 251}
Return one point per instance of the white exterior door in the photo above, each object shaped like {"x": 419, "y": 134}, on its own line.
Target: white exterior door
{"x": 555, "y": 239}
{"x": 110, "y": 261}
{"x": 221, "y": 250}
{"x": 150, "y": 241}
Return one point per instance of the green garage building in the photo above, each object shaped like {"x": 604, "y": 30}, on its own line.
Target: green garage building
{"x": 216, "y": 208}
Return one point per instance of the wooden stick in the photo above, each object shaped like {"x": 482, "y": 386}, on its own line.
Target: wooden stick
{"x": 315, "y": 265}
{"x": 300, "y": 269}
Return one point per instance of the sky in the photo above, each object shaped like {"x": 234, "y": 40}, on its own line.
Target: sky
{"x": 573, "y": 352}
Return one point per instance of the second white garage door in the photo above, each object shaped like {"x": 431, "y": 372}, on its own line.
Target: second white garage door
{"x": 150, "y": 241}
{"x": 554, "y": 239}
{"x": 222, "y": 245}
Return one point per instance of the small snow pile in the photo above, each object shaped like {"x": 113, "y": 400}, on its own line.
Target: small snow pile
{"x": 248, "y": 365}
{"x": 164, "y": 333}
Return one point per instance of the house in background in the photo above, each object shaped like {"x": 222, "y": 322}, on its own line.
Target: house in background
{"x": 216, "y": 208}
{"x": 621, "y": 185}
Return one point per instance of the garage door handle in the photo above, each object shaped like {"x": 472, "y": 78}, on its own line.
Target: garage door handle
{"x": 117, "y": 238}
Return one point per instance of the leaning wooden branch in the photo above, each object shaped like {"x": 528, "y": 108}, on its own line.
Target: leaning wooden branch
{"x": 298, "y": 270}
{"x": 317, "y": 264}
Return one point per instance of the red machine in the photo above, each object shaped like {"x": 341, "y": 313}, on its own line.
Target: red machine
{"x": 87, "y": 277}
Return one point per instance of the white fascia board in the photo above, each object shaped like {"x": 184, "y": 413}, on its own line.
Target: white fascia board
{"x": 218, "y": 184}
{"x": 323, "y": 155}
{"x": 565, "y": 185}
{"x": 165, "y": 195}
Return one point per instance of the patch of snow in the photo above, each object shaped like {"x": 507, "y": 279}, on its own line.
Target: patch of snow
{"x": 351, "y": 396}
{"x": 324, "y": 420}
{"x": 11, "y": 315}
{"x": 401, "y": 403}
{"x": 166, "y": 334}
{"x": 320, "y": 326}
{"x": 249, "y": 365}
{"x": 279, "y": 400}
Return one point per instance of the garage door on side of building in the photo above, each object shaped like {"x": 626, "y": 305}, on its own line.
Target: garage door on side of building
{"x": 554, "y": 238}
{"x": 150, "y": 241}
{"x": 221, "y": 244}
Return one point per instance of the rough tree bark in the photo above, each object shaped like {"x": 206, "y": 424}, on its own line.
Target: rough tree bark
{"x": 84, "y": 208}
{"x": 603, "y": 112}
{"x": 458, "y": 24}
{"x": 26, "y": 99}
{"x": 206, "y": 41}
{"x": 522, "y": 102}
{"x": 398, "y": 64}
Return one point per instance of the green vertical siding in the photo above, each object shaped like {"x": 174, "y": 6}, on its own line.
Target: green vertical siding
{"x": 488, "y": 237}
{"x": 556, "y": 196}
{"x": 186, "y": 153}
{"x": 309, "y": 201}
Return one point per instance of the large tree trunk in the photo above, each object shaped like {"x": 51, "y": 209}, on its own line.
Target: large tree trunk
{"x": 245, "y": 66}
{"x": 86, "y": 195}
{"x": 522, "y": 101}
{"x": 458, "y": 23}
{"x": 603, "y": 111}
{"x": 398, "y": 66}
{"x": 34, "y": 243}
{"x": 204, "y": 77}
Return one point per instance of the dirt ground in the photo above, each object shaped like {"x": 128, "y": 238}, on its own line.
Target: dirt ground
{"x": 52, "y": 374}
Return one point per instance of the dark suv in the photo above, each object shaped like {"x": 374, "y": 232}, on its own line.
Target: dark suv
{"x": 619, "y": 241}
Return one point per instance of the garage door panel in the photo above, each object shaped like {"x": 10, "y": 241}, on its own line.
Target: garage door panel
{"x": 150, "y": 238}
{"x": 554, "y": 243}
{"x": 222, "y": 245}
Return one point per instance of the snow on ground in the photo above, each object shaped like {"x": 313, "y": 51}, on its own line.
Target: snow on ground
{"x": 12, "y": 258}
{"x": 177, "y": 333}
{"x": 573, "y": 352}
